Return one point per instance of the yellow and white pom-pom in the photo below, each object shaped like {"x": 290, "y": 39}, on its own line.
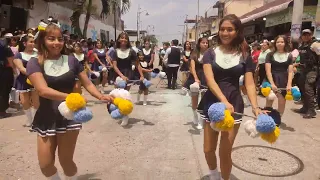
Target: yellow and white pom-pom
{"x": 289, "y": 96}
{"x": 265, "y": 91}
{"x": 226, "y": 124}
{"x": 271, "y": 137}
{"x": 75, "y": 101}
{"x": 65, "y": 111}
{"x": 116, "y": 101}
{"x": 272, "y": 96}
{"x": 162, "y": 75}
{"x": 122, "y": 93}
{"x": 250, "y": 128}
{"x": 125, "y": 107}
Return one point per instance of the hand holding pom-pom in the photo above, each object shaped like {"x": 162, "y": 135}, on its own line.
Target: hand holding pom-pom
{"x": 83, "y": 115}
{"x": 195, "y": 87}
{"x": 250, "y": 128}
{"x": 65, "y": 111}
{"x": 75, "y": 101}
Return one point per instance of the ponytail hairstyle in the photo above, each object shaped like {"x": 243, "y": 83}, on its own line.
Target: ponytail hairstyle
{"x": 44, "y": 28}
{"x": 23, "y": 40}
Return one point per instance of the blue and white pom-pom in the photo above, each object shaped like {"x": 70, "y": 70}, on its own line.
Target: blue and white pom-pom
{"x": 115, "y": 114}
{"x": 147, "y": 83}
{"x": 216, "y": 112}
{"x": 162, "y": 75}
{"x": 265, "y": 124}
{"x": 65, "y": 111}
{"x": 155, "y": 72}
{"x": 103, "y": 69}
{"x": 296, "y": 93}
{"x": 120, "y": 83}
{"x": 83, "y": 115}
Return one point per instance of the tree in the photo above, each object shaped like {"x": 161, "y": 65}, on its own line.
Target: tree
{"x": 82, "y": 7}
{"x": 108, "y": 6}
{"x": 153, "y": 39}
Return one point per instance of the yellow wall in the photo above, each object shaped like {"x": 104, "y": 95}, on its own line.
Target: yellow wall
{"x": 241, "y": 7}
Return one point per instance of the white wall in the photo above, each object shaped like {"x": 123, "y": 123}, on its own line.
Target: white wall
{"x": 42, "y": 10}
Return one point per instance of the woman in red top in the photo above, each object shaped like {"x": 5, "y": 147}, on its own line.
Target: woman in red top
{"x": 255, "y": 55}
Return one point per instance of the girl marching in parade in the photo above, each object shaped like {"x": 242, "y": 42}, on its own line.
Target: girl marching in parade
{"x": 146, "y": 70}
{"x": 148, "y": 53}
{"x": 279, "y": 69}
{"x": 197, "y": 75}
{"x": 124, "y": 58}
{"x": 53, "y": 76}
{"x": 100, "y": 55}
{"x": 186, "y": 64}
{"x": 223, "y": 66}
{"x": 28, "y": 96}
{"x": 83, "y": 60}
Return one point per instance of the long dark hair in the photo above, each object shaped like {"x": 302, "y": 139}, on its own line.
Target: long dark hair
{"x": 24, "y": 40}
{"x": 238, "y": 43}
{"x": 185, "y": 46}
{"x": 286, "y": 43}
{"x": 125, "y": 35}
{"x": 197, "y": 50}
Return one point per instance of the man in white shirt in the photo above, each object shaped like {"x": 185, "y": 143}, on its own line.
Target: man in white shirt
{"x": 172, "y": 61}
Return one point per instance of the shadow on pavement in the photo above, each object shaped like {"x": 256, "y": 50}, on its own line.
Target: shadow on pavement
{"x": 287, "y": 128}
{"x": 90, "y": 176}
{"x": 232, "y": 177}
{"x": 195, "y": 130}
{"x": 133, "y": 121}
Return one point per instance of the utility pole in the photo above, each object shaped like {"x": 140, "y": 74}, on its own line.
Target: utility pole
{"x": 197, "y": 23}
{"x": 317, "y": 23}
{"x": 297, "y": 19}
{"x": 138, "y": 20}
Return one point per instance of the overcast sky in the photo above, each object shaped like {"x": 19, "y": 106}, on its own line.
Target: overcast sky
{"x": 165, "y": 15}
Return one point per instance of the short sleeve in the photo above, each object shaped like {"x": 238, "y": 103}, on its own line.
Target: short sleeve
{"x": 18, "y": 56}
{"x": 208, "y": 56}
{"x": 193, "y": 56}
{"x": 268, "y": 57}
{"x": 112, "y": 54}
{"x": 75, "y": 64}
{"x": 33, "y": 66}
{"x": 250, "y": 65}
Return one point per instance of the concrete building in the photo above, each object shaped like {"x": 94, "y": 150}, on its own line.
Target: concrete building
{"x": 240, "y": 7}
{"x": 133, "y": 35}
{"x": 35, "y": 10}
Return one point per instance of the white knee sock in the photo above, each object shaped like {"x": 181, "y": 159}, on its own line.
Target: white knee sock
{"x": 214, "y": 174}
{"x": 34, "y": 110}
{"x": 54, "y": 177}
{"x": 145, "y": 99}
{"x": 74, "y": 177}
{"x": 28, "y": 113}
{"x": 195, "y": 116}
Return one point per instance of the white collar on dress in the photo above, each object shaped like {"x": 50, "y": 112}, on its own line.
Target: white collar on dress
{"x": 146, "y": 52}
{"x": 123, "y": 53}
{"x": 80, "y": 57}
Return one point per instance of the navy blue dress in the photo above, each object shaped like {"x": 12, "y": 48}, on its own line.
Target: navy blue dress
{"x": 185, "y": 65}
{"x": 279, "y": 69}
{"x": 227, "y": 80}
{"x": 198, "y": 60}
{"x": 147, "y": 55}
{"x": 21, "y": 84}
{"x": 101, "y": 53}
{"x": 125, "y": 60}
{"x": 48, "y": 121}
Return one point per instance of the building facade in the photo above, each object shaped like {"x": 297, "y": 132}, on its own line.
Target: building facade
{"x": 62, "y": 10}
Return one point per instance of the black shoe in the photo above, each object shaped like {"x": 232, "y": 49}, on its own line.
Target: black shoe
{"x": 300, "y": 111}
{"x": 310, "y": 115}
{"x": 4, "y": 115}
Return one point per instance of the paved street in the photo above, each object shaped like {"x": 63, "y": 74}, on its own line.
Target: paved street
{"x": 160, "y": 143}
